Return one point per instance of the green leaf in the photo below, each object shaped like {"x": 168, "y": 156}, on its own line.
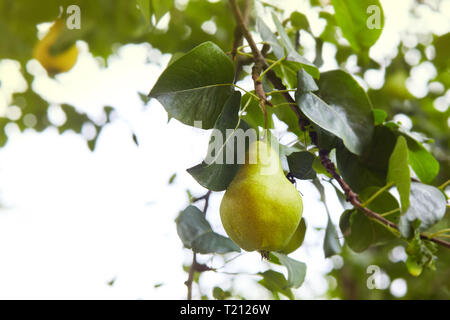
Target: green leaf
{"x": 160, "y": 8}
{"x": 344, "y": 222}
{"x": 384, "y": 202}
{"x": 379, "y": 116}
{"x": 172, "y": 178}
{"x": 276, "y": 283}
{"x": 217, "y": 175}
{"x": 306, "y": 83}
{"x": 329, "y": 33}
{"x": 299, "y": 21}
{"x": 269, "y": 37}
{"x": 361, "y": 234}
{"x": 144, "y": 98}
{"x": 370, "y": 169}
{"x": 253, "y": 113}
{"x": 300, "y": 165}
{"x": 427, "y": 205}
{"x": 274, "y": 259}
{"x": 220, "y": 294}
{"x": 196, "y": 85}
{"x": 195, "y": 232}
{"x": 361, "y": 21}
{"x": 442, "y": 46}
{"x": 145, "y": 8}
{"x": 296, "y": 270}
{"x": 287, "y": 71}
{"x": 212, "y": 242}
{"x": 422, "y": 161}
{"x": 319, "y": 168}
{"x": 341, "y": 197}
{"x": 286, "y": 114}
{"x": 398, "y": 172}
{"x": 331, "y": 245}
{"x": 292, "y": 54}
{"x": 341, "y": 108}
{"x": 157, "y": 8}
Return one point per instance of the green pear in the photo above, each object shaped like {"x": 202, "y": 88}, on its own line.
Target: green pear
{"x": 297, "y": 239}
{"x": 261, "y": 208}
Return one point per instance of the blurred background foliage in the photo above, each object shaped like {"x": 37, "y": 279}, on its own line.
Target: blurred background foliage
{"x": 178, "y": 26}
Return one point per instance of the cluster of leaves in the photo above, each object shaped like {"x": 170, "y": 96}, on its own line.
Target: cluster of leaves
{"x": 374, "y": 156}
{"x": 104, "y": 26}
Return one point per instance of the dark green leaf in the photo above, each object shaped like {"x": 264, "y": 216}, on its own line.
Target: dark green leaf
{"x": 361, "y": 234}
{"x": 341, "y": 197}
{"x": 344, "y": 222}
{"x": 398, "y": 172}
{"x": 384, "y": 202}
{"x": 276, "y": 283}
{"x": 196, "y": 233}
{"x": 215, "y": 174}
{"x": 296, "y": 270}
{"x": 331, "y": 245}
{"x": 342, "y": 108}
{"x": 211, "y": 242}
{"x": 196, "y": 85}
{"x": 370, "y": 169}
{"x": 300, "y": 165}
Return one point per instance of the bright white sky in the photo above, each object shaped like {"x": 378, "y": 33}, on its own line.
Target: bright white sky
{"x": 73, "y": 220}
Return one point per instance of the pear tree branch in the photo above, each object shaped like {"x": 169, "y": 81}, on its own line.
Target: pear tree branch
{"x": 195, "y": 266}
{"x": 260, "y": 61}
{"x": 260, "y": 64}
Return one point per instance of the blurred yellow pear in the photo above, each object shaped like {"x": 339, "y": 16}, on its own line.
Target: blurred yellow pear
{"x": 61, "y": 62}
{"x": 261, "y": 208}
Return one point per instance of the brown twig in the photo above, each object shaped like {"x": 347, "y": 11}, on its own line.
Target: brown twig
{"x": 238, "y": 36}
{"x": 260, "y": 63}
{"x": 352, "y": 197}
{"x": 203, "y": 197}
{"x": 190, "y": 279}
{"x": 195, "y": 266}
